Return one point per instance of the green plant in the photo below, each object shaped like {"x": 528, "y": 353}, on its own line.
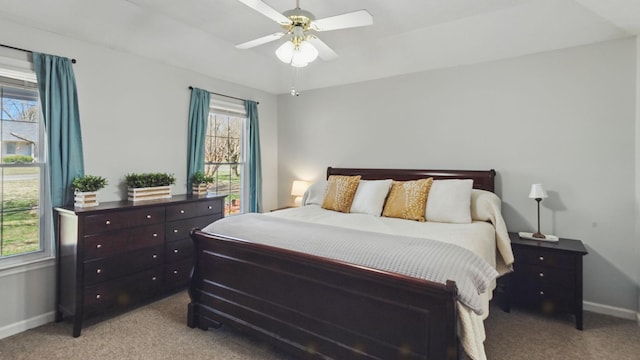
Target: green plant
{"x": 200, "y": 178}
{"x": 88, "y": 183}
{"x": 17, "y": 159}
{"x": 134, "y": 180}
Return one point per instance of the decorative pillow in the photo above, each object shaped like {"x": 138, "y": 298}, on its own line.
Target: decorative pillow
{"x": 340, "y": 192}
{"x": 407, "y": 199}
{"x": 450, "y": 201}
{"x": 370, "y": 196}
{"x": 315, "y": 193}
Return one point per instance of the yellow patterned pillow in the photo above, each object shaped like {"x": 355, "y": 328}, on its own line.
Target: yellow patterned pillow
{"x": 408, "y": 199}
{"x": 340, "y": 192}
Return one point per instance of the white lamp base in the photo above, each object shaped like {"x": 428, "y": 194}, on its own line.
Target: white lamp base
{"x": 529, "y": 236}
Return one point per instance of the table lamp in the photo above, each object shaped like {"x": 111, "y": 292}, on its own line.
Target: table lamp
{"x": 297, "y": 189}
{"x": 538, "y": 193}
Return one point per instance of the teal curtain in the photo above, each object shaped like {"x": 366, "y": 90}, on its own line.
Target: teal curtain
{"x": 255, "y": 167}
{"x": 198, "y": 115}
{"x": 59, "y": 98}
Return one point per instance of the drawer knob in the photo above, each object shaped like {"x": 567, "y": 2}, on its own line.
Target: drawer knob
{"x": 175, "y": 271}
{"x": 155, "y": 256}
{"x": 148, "y": 216}
{"x": 541, "y": 292}
{"x": 541, "y": 274}
{"x": 98, "y": 296}
{"x": 98, "y": 246}
{"x": 209, "y": 207}
{"x": 541, "y": 258}
{"x": 175, "y": 230}
{"x": 98, "y": 271}
{"x": 181, "y": 211}
{"x": 153, "y": 278}
{"x": 175, "y": 251}
{"x": 108, "y": 222}
{"x": 155, "y": 235}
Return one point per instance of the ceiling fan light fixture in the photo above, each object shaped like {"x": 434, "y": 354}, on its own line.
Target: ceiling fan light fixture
{"x": 297, "y": 55}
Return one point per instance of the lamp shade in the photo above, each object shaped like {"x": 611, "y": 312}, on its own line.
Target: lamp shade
{"x": 299, "y": 187}
{"x": 297, "y": 55}
{"x": 537, "y": 192}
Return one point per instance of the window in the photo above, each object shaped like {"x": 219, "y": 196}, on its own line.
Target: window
{"x": 22, "y": 170}
{"x": 225, "y": 149}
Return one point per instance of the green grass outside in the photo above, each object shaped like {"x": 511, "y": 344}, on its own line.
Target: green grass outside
{"x": 19, "y": 218}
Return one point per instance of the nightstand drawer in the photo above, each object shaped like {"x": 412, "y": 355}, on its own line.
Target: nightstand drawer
{"x": 545, "y": 257}
{"x": 535, "y": 275}
{"x": 547, "y": 298}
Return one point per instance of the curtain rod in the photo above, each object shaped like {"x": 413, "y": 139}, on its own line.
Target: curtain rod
{"x": 231, "y": 97}
{"x": 73, "y": 61}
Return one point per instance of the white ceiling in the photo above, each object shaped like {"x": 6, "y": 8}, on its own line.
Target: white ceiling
{"x": 407, "y": 35}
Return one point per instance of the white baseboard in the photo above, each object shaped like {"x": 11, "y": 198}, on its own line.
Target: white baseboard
{"x": 611, "y": 310}
{"x": 27, "y": 324}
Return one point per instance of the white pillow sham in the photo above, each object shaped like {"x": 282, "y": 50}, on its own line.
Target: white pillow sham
{"x": 315, "y": 193}
{"x": 484, "y": 205}
{"x": 370, "y": 196}
{"x": 449, "y": 201}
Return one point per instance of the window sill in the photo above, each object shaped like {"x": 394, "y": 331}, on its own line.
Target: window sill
{"x": 25, "y": 266}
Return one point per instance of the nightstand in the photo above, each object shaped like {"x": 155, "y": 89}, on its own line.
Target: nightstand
{"x": 548, "y": 276}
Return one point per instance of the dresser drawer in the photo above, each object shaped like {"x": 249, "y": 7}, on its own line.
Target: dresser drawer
{"x": 178, "y": 250}
{"x": 545, "y": 257}
{"x": 177, "y": 275}
{"x": 122, "y": 219}
{"x": 180, "y": 229}
{"x": 123, "y": 292}
{"x": 112, "y": 267}
{"x": 106, "y": 244}
{"x": 194, "y": 209}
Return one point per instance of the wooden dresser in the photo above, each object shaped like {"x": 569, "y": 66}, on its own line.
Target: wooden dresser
{"x": 119, "y": 254}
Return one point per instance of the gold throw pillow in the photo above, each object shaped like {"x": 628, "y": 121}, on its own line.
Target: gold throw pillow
{"x": 340, "y": 192}
{"x": 408, "y": 199}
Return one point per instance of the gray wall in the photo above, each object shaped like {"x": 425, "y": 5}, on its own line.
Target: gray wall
{"x": 134, "y": 114}
{"x": 565, "y": 119}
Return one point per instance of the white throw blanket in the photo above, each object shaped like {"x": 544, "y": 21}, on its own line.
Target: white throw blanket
{"x": 416, "y": 257}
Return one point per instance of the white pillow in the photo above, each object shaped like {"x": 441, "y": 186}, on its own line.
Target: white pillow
{"x": 370, "y": 196}
{"x": 449, "y": 201}
{"x": 484, "y": 205}
{"x": 315, "y": 193}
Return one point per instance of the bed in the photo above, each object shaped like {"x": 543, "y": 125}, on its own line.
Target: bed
{"x": 319, "y": 306}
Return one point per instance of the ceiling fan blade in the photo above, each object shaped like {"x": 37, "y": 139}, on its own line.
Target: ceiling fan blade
{"x": 344, "y": 21}
{"x": 260, "y": 41}
{"x": 267, "y": 11}
{"x": 324, "y": 51}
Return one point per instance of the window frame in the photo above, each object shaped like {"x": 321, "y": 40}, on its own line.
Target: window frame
{"x": 22, "y": 62}
{"x": 224, "y": 107}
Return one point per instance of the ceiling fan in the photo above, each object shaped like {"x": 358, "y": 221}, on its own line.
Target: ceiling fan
{"x": 303, "y": 46}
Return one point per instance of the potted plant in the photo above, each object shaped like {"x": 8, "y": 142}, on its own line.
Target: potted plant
{"x": 199, "y": 183}
{"x": 149, "y": 186}
{"x": 85, "y": 188}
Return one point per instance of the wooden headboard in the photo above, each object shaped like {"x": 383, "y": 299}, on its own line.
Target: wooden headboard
{"x": 482, "y": 179}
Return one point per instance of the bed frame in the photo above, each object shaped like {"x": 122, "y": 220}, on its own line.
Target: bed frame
{"x": 316, "y": 307}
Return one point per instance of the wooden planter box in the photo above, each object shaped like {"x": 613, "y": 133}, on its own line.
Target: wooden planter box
{"x": 199, "y": 189}
{"x": 85, "y": 199}
{"x": 149, "y": 193}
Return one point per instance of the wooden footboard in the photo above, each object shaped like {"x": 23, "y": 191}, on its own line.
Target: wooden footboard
{"x": 320, "y": 308}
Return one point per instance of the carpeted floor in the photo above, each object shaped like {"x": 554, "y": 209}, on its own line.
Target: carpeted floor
{"x": 159, "y": 331}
